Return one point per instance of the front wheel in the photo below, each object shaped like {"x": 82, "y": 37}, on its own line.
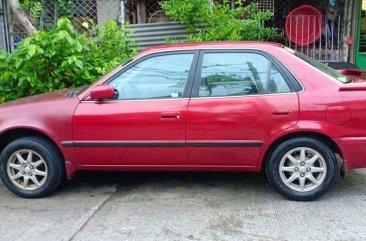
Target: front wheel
{"x": 31, "y": 167}
{"x": 302, "y": 169}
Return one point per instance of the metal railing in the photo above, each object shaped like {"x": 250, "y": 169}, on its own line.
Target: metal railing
{"x": 44, "y": 14}
{"x": 315, "y": 36}
{"x": 5, "y": 41}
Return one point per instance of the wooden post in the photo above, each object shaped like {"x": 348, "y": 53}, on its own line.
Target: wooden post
{"x": 21, "y": 17}
{"x": 141, "y": 11}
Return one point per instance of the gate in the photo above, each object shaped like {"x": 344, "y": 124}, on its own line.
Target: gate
{"x": 5, "y": 43}
{"x": 361, "y": 38}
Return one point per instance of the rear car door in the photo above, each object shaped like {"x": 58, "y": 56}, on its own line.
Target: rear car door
{"x": 239, "y": 100}
{"x": 145, "y": 125}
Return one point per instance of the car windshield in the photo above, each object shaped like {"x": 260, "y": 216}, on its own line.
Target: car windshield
{"x": 320, "y": 66}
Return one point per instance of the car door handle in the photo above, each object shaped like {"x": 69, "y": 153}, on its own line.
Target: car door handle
{"x": 281, "y": 112}
{"x": 170, "y": 115}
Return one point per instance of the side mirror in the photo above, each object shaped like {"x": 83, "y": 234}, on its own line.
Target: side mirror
{"x": 101, "y": 92}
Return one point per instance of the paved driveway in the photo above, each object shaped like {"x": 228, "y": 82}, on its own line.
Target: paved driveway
{"x": 183, "y": 206}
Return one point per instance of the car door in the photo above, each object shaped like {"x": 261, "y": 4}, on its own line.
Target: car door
{"x": 145, "y": 125}
{"x": 240, "y": 99}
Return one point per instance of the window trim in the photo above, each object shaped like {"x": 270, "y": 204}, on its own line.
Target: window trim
{"x": 291, "y": 81}
{"x": 190, "y": 77}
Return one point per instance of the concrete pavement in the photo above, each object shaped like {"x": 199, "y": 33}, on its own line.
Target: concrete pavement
{"x": 183, "y": 206}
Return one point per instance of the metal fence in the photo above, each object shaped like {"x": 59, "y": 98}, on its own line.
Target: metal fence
{"x": 4, "y": 26}
{"x": 315, "y": 36}
{"x": 43, "y": 14}
{"x": 146, "y": 35}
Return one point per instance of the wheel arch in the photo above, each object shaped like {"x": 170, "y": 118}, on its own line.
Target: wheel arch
{"x": 312, "y": 134}
{"x": 15, "y": 133}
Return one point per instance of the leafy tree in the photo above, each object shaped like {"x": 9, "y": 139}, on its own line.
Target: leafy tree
{"x": 219, "y": 22}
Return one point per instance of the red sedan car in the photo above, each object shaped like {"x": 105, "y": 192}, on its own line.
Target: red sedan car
{"x": 244, "y": 106}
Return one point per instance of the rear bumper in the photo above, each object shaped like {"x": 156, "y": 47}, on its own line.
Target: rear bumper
{"x": 353, "y": 151}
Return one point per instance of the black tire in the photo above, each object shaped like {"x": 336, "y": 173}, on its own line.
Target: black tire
{"x": 53, "y": 164}
{"x": 276, "y": 178}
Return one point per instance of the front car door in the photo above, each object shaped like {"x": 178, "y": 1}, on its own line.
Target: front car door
{"x": 145, "y": 125}
{"x": 240, "y": 99}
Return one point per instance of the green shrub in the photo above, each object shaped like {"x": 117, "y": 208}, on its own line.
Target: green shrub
{"x": 62, "y": 58}
{"x": 37, "y": 11}
{"x": 219, "y": 22}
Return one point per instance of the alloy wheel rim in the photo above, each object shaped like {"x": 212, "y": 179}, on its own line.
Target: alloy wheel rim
{"x": 27, "y": 170}
{"x": 303, "y": 169}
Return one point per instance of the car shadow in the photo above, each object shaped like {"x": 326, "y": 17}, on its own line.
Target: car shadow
{"x": 235, "y": 183}
{"x": 131, "y": 180}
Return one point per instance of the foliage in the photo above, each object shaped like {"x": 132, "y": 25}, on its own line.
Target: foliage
{"x": 36, "y": 9}
{"x": 191, "y": 13}
{"x": 114, "y": 44}
{"x": 62, "y": 58}
{"x": 64, "y": 7}
{"x": 219, "y": 22}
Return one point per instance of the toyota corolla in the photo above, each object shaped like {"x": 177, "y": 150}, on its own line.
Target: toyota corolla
{"x": 228, "y": 106}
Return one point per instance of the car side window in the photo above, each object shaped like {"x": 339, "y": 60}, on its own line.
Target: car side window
{"x": 276, "y": 82}
{"x": 238, "y": 74}
{"x": 155, "y": 78}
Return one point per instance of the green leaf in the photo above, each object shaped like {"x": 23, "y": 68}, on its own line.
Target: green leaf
{"x": 18, "y": 64}
{"x": 39, "y": 50}
{"x": 79, "y": 64}
{"x": 26, "y": 42}
{"x": 70, "y": 60}
{"x": 69, "y": 39}
{"x": 62, "y": 34}
{"x": 31, "y": 50}
{"x": 5, "y": 76}
{"x": 79, "y": 47}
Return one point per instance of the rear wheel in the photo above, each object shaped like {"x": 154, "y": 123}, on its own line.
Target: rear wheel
{"x": 31, "y": 167}
{"x": 302, "y": 169}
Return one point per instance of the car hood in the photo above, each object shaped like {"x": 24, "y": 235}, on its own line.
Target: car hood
{"x": 44, "y": 106}
{"x": 36, "y": 99}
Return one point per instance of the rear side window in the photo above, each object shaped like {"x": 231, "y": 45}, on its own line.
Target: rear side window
{"x": 239, "y": 74}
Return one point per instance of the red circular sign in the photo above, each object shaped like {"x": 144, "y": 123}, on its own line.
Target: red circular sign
{"x": 304, "y": 25}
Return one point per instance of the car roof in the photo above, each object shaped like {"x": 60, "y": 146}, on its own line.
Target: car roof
{"x": 208, "y": 45}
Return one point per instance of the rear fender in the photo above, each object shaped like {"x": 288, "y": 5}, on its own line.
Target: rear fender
{"x": 301, "y": 128}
